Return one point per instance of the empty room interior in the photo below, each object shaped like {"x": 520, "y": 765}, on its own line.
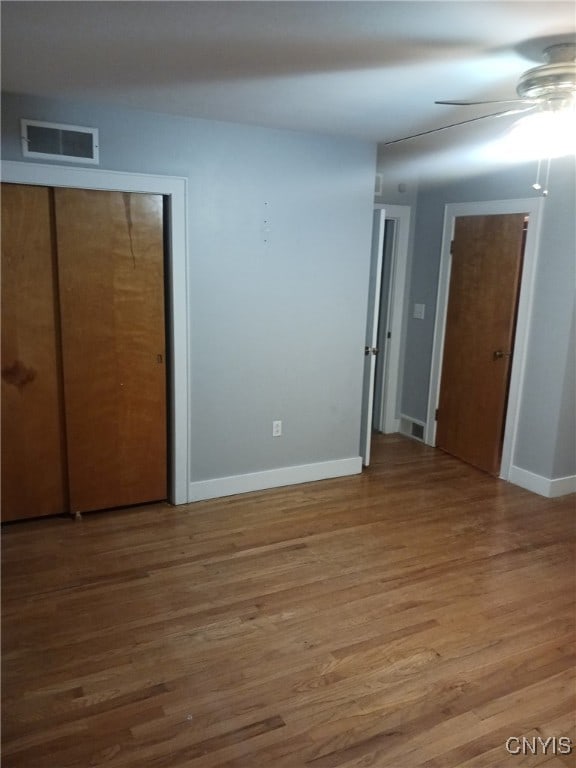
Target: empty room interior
{"x": 288, "y": 384}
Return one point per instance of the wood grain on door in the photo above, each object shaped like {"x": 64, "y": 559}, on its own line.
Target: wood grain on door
{"x": 110, "y": 266}
{"x": 478, "y": 345}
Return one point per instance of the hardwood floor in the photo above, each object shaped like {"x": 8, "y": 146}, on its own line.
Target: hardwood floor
{"x": 420, "y": 614}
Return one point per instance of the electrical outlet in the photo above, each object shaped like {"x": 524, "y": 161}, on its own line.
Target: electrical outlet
{"x": 276, "y": 428}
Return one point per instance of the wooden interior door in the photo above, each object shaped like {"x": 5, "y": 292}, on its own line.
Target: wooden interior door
{"x": 111, "y": 278}
{"x": 487, "y": 256}
{"x": 33, "y": 451}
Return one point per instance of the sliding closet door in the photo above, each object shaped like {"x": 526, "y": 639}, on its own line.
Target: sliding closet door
{"x": 33, "y": 458}
{"x": 110, "y": 267}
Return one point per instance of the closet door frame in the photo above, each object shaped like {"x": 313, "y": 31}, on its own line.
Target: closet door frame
{"x": 174, "y": 188}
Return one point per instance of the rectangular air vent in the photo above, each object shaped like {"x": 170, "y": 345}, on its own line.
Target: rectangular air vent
{"x": 412, "y": 427}
{"x": 417, "y": 431}
{"x": 55, "y": 141}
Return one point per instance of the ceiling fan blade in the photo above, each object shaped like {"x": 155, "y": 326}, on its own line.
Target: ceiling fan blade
{"x": 458, "y": 103}
{"x": 454, "y": 125}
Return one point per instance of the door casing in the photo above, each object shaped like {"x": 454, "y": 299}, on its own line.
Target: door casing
{"x": 175, "y": 189}
{"x": 533, "y": 207}
{"x": 391, "y": 379}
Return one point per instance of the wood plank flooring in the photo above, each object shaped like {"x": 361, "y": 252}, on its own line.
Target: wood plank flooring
{"x": 418, "y": 615}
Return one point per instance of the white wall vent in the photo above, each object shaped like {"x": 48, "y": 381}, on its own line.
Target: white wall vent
{"x": 55, "y": 141}
{"x": 417, "y": 431}
{"x": 412, "y": 427}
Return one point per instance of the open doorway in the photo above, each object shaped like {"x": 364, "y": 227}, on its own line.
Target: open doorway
{"x": 384, "y": 323}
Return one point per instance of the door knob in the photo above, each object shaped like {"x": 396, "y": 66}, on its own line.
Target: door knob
{"x": 498, "y": 355}
{"x": 368, "y": 350}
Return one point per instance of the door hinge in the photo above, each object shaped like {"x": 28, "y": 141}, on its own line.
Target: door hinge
{"x": 451, "y": 246}
{"x": 436, "y": 415}
{"x": 389, "y": 335}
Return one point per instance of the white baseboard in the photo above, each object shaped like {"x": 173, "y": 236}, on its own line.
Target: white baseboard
{"x": 392, "y": 427}
{"x": 273, "y": 478}
{"x": 412, "y": 418}
{"x": 562, "y": 486}
{"x": 542, "y": 485}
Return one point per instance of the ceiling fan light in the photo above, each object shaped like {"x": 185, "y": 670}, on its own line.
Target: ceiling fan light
{"x": 541, "y": 135}
{"x": 538, "y": 136}
{"x": 554, "y": 80}
{"x": 549, "y": 81}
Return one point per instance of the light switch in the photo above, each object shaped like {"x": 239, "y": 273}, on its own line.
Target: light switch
{"x": 419, "y": 311}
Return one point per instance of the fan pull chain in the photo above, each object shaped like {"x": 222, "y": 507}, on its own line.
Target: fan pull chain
{"x": 537, "y": 184}
{"x": 545, "y": 190}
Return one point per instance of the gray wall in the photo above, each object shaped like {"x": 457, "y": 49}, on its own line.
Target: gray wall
{"x": 398, "y": 188}
{"x": 276, "y": 328}
{"x": 546, "y": 437}
{"x": 565, "y": 456}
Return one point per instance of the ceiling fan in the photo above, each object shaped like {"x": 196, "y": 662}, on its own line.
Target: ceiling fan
{"x": 550, "y": 88}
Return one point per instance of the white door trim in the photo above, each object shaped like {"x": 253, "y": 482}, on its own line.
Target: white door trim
{"x": 390, "y": 420}
{"x": 533, "y": 207}
{"x": 175, "y": 188}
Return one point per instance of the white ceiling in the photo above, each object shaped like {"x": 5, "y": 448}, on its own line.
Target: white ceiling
{"x": 370, "y": 70}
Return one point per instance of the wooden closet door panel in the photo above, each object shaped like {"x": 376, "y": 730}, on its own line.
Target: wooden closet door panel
{"x": 33, "y": 451}
{"x": 110, "y": 266}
